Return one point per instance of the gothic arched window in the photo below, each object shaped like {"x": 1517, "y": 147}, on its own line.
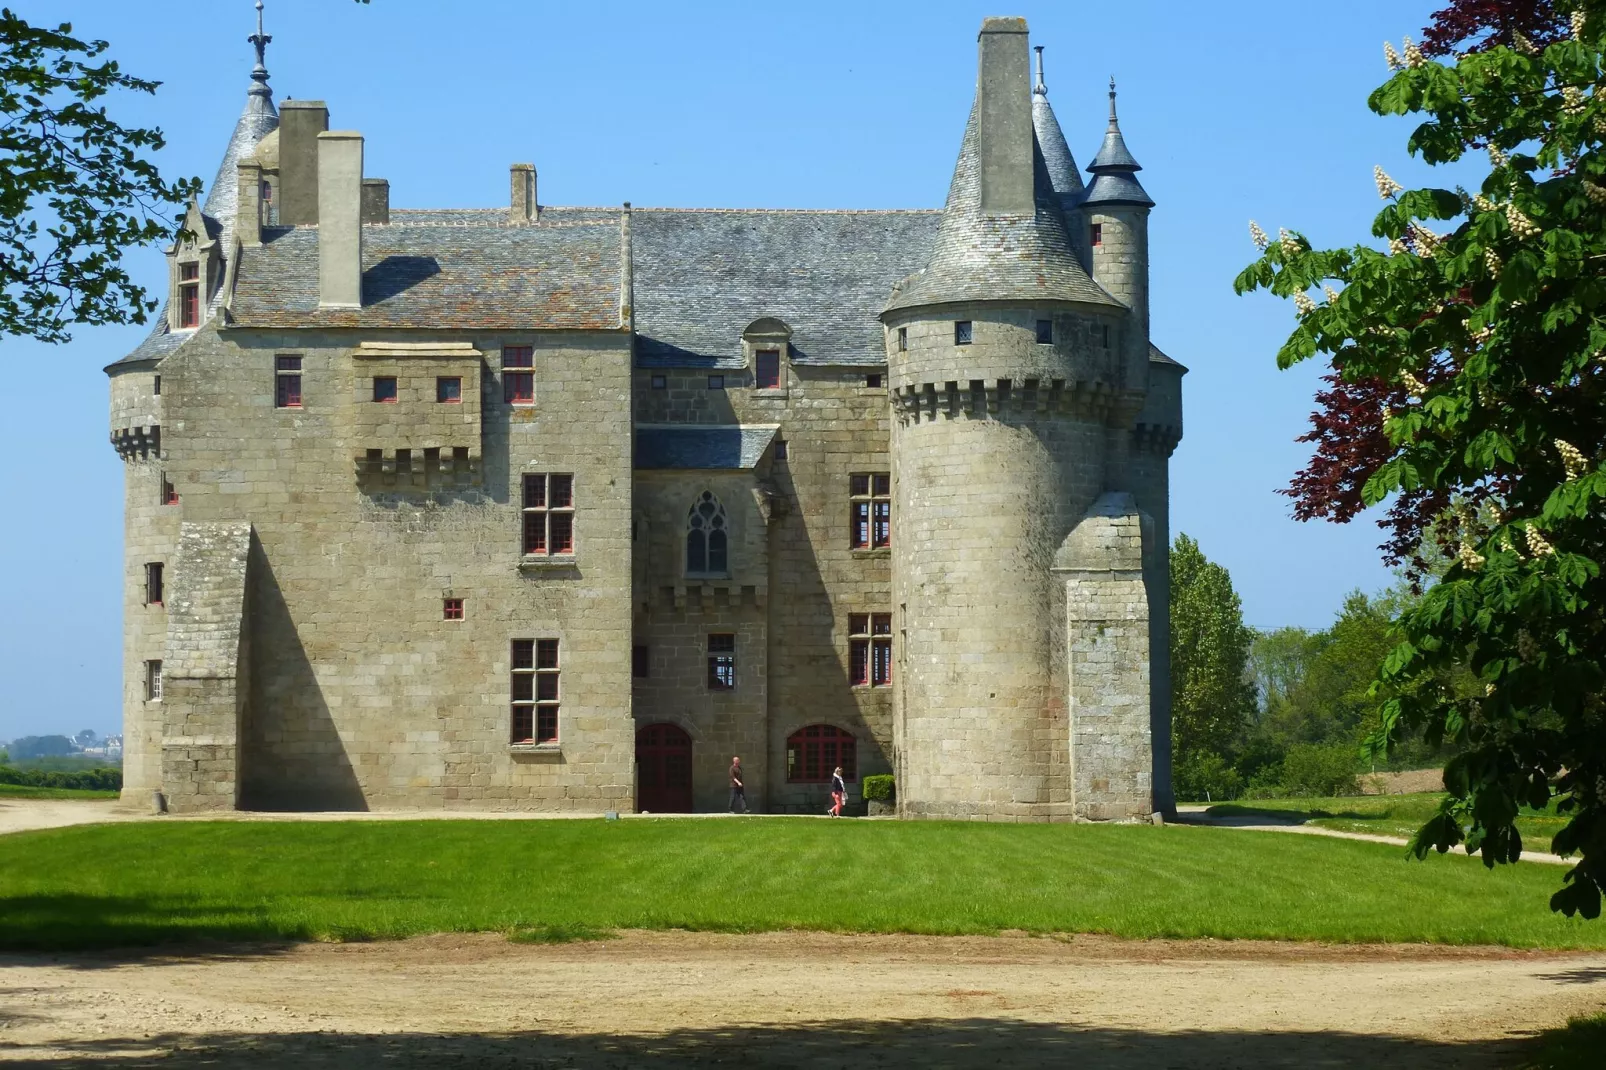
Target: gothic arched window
{"x": 707, "y": 538}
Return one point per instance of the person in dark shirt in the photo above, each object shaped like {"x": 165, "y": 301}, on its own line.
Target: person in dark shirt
{"x": 839, "y": 793}
{"x": 738, "y": 791}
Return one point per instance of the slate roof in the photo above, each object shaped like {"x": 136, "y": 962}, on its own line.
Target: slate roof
{"x": 982, "y": 257}
{"x": 456, "y": 271}
{"x": 1062, "y": 170}
{"x": 734, "y": 446}
{"x": 702, "y": 276}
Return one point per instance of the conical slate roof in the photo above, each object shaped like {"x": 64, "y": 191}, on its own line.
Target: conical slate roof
{"x": 1115, "y": 169}
{"x": 1062, "y": 169}
{"x": 256, "y": 122}
{"x": 981, "y": 257}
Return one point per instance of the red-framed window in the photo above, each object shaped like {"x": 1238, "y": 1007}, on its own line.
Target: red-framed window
{"x": 169, "y": 492}
{"x": 518, "y": 375}
{"x": 871, "y": 509}
{"x": 153, "y": 583}
{"x": 767, "y": 369}
{"x": 189, "y": 295}
{"x": 385, "y": 389}
{"x": 548, "y": 513}
{"x": 721, "y": 662}
{"x": 1095, "y": 234}
{"x": 535, "y": 691}
{"x": 287, "y": 385}
{"x": 449, "y": 390}
{"x": 870, "y": 649}
{"x": 451, "y": 609}
{"x": 813, "y": 753}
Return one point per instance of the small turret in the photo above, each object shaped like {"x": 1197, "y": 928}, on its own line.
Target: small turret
{"x": 1116, "y": 213}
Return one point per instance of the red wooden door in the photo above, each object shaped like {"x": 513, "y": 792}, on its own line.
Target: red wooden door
{"x": 663, "y": 770}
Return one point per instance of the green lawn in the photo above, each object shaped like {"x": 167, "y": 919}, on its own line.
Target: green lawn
{"x": 1386, "y": 815}
{"x": 22, "y": 791}
{"x": 144, "y": 883}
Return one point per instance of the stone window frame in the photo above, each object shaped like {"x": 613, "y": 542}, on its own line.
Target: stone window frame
{"x": 155, "y": 583}
{"x": 764, "y": 336}
{"x": 870, "y": 650}
{"x": 534, "y": 692}
{"x": 189, "y": 294}
{"x": 870, "y": 511}
{"x": 721, "y": 650}
{"x": 814, "y": 751}
{"x": 546, "y": 508}
{"x": 153, "y": 680}
{"x": 704, "y": 525}
{"x": 518, "y": 376}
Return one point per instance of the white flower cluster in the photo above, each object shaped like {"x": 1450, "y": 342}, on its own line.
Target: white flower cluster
{"x": 1572, "y": 458}
{"x": 1522, "y": 44}
{"x": 1491, "y": 263}
{"x": 1332, "y": 295}
{"x": 1416, "y": 386}
{"x": 1497, "y": 157}
{"x": 1495, "y": 514}
{"x": 1303, "y": 305}
{"x": 1488, "y": 690}
{"x": 1536, "y": 542}
{"x": 1386, "y": 186}
{"x": 1391, "y": 57}
{"x": 1482, "y": 335}
{"x": 1471, "y": 560}
{"x": 1484, "y": 204}
{"x": 1258, "y": 236}
{"x": 1413, "y": 54}
{"x": 1596, "y": 194}
{"x": 1287, "y": 241}
{"x": 1427, "y": 241}
{"x": 1578, "y": 24}
{"x": 1572, "y": 100}
{"x": 1397, "y": 247}
{"x": 1521, "y": 225}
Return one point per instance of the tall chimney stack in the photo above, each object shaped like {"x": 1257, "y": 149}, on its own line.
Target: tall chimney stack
{"x": 300, "y": 123}
{"x": 522, "y": 208}
{"x": 340, "y": 219}
{"x": 1004, "y": 118}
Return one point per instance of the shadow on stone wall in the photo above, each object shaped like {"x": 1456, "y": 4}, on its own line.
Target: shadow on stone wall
{"x": 959, "y": 1044}
{"x": 292, "y": 756}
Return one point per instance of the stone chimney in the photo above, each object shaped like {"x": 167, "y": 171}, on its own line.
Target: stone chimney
{"x": 376, "y": 200}
{"x": 1004, "y": 118}
{"x": 248, "y": 203}
{"x": 523, "y": 208}
{"x": 300, "y": 123}
{"x": 339, "y": 219}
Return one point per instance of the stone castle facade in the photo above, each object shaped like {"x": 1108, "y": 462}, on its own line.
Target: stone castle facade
{"x": 559, "y": 508}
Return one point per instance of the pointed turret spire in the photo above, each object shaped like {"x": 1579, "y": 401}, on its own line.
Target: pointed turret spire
{"x": 1062, "y": 169}
{"x": 257, "y": 120}
{"x": 1115, "y": 169}
{"x": 259, "y": 76}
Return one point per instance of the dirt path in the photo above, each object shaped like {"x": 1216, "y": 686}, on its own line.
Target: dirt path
{"x": 21, "y": 815}
{"x": 791, "y": 1000}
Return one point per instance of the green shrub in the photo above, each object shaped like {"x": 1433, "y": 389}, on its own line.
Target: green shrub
{"x": 1321, "y": 769}
{"x": 105, "y": 778}
{"x": 1206, "y": 776}
{"x": 879, "y": 787}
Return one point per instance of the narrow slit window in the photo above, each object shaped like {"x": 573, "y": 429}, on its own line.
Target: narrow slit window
{"x": 641, "y": 661}
{"x": 518, "y": 375}
{"x": 153, "y": 681}
{"x": 767, "y": 369}
{"x": 1106, "y": 333}
{"x": 169, "y": 492}
{"x": 287, "y": 387}
{"x": 1095, "y": 234}
{"x": 385, "y": 388}
{"x": 870, "y": 510}
{"x": 156, "y": 385}
{"x": 449, "y": 390}
{"x": 548, "y": 514}
{"x": 721, "y": 662}
{"x": 903, "y": 339}
{"x": 535, "y": 691}
{"x": 153, "y": 583}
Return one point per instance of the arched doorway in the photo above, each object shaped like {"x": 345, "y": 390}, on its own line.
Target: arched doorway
{"x": 663, "y": 770}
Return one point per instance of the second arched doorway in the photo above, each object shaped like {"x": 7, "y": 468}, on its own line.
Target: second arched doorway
{"x": 663, "y": 770}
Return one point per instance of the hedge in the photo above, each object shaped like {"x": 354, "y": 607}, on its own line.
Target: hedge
{"x": 101, "y": 778}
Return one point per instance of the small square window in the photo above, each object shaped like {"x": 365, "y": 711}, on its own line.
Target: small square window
{"x": 716, "y": 382}
{"x": 767, "y": 369}
{"x": 449, "y": 390}
{"x": 1096, "y": 234}
{"x": 452, "y": 609}
{"x": 962, "y": 333}
{"x": 872, "y": 381}
{"x": 660, "y": 382}
{"x": 903, "y": 339}
{"x": 385, "y": 388}
{"x": 1045, "y": 332}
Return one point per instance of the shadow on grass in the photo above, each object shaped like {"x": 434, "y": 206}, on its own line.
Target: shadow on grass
{"x": 1233, "y": 813}
{"x": 136, "y": 927}
{"x": 961, "y": 1044}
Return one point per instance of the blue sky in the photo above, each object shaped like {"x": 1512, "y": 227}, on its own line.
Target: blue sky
{"x": 1254, "y": 109}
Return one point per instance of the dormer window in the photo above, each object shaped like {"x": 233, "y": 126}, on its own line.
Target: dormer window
{"x": 764, "y": 345}
{"x": 189, "y": 295}
{"x": 767, "y": 369}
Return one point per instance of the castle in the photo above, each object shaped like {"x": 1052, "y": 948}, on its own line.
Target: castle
{"x": 554, "y": 508}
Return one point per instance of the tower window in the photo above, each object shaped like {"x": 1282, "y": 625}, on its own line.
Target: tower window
{"x": 641, "y": 661}
{"x": 548, "y": 513}
{"x": 707, "y": 538}
{"x": 156, "y": 385}
{"x": 169, "y": 492}
{"x": 153, "y": 583}
{"x": 873, "y": 381}
{"x": 767, "y": 369}
{"x": 385, "y": 388}
{"x": 189, "y": 295}
{"x": 716, "y": 382}
{"x": 660, "y": 382}
{"x": 287, "y": 387}
{"x": 870, "y": 509}
{"x": 962, "y": 333}
{"x": 1095, "y": 234}
{"x": 1106, "y": 334}
{"x": 1045, "y": 332}
{"x": 451, "y": 609}
{"x": 813, "y": 753}
{"x": 153, "y": 681}
{"x": 449, "y": 390}
{"x": 903, "y": 339}
{"x": 722, "y": 662}
{"x": 780, "y": 449}
{"x": 518, "y": 376}
{"x": 870, "y": 649}
{"x": 535, "y": 691}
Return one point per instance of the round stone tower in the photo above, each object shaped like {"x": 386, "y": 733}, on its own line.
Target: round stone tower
{"x": 1013, "y": 392}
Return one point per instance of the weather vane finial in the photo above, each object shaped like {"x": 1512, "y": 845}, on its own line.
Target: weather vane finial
{"x": 1040, "y": 87}
{"x": 1112, "y": 102}
{"x": 261, "y": 41}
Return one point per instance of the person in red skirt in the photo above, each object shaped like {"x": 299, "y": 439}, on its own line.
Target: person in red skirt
{"x": 839, "y": 793}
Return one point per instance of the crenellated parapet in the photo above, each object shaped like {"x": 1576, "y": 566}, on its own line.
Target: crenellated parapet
{"x": 138, "y": 443}
{"x": 1090, "y": 400}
